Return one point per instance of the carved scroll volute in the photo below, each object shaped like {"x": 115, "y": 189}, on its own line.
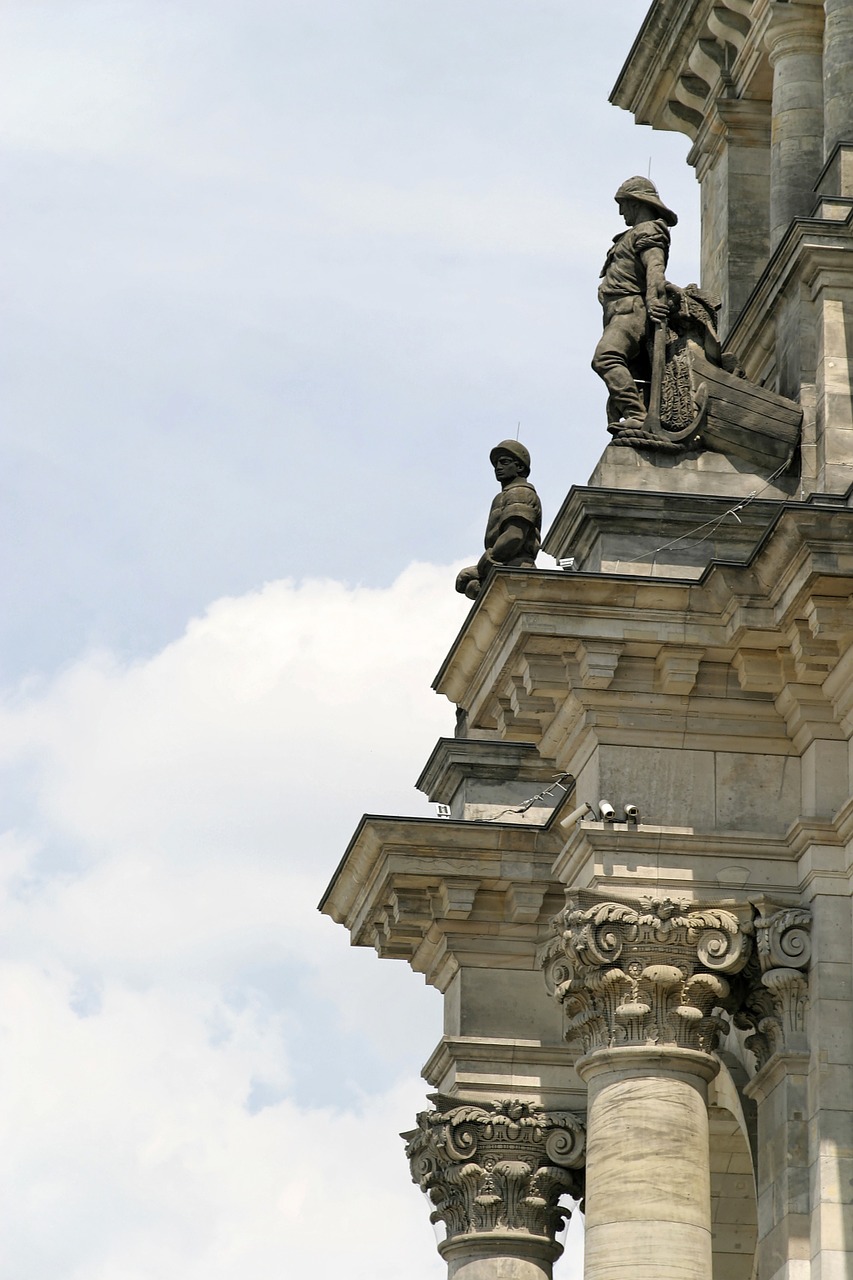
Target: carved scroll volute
{"x": 774, "y": 1000}
{"x": 649, "y": 972}
{"x": 497, "y": 1166}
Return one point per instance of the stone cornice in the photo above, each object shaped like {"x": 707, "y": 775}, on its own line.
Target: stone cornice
{"x": 435, "y": 891}
{"x": 455, "y": 759}
{"x": 780, "y": 1066}
{"x": 729, "y": 121}
{"x": 689, "y": 53}
{"x": 540, "y": 657}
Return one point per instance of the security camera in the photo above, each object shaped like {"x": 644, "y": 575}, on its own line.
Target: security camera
{"x": 570, "y": 819}
{"x": 607, "y": 811}
{"x": 632, "y": 813}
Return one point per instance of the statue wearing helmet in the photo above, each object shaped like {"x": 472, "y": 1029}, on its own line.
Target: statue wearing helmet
{"x": 633, "y": 296}
{"x": 515, "y": 520}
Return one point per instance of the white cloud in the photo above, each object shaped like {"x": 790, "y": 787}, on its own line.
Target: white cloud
{"x": 166, "y": 984}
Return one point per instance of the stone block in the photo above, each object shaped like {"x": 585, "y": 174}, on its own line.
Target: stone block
{"x": 834, "y": 1226}
{"x": 669, "y": 786}
{"x": 755, "y": 792}
{"x": 502, "y": 1002}
{"x": 830, "y": 1265}
{"x": 833, "y": 1085}
{"x": 832, "y": 1026}
{"x": 824, "y": 778}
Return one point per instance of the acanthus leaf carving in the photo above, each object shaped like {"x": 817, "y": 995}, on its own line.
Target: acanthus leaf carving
{"x": 497, "y": 1166}
{"x": 771, "y": 998}
{"x": 645, "y": 972}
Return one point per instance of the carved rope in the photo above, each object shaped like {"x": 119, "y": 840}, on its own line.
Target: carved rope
{"x": 497, "y": 1166}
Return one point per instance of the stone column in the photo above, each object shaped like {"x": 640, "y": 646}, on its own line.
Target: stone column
{"x": 639, "y": 983}
{"x": 838, "y": 74}
{"x": 794, "y": 40}
{"x": 495, "y": 1173}
{"x": 773, "y": 1000}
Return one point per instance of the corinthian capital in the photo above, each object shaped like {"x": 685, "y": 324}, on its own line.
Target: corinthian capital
{"x": 772, "y": 1000}
{"x": 648, "y": 972}
{"x": 497, "y": 1166}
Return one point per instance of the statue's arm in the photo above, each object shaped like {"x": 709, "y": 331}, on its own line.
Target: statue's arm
{"x": 655, "y": 266}
{"x": 506, "y": 546}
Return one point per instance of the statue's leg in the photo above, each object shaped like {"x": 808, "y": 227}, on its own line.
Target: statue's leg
{"x": 619, "y": 345}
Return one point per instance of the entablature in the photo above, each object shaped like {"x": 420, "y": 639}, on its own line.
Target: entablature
{"x": 552, "y": 658}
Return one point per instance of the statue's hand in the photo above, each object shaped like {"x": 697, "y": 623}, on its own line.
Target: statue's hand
{"x": 657, "y": 307}
{"x": 466, "y": 577}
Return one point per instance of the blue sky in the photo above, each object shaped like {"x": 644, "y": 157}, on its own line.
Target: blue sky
{"x": 279, "y": 276}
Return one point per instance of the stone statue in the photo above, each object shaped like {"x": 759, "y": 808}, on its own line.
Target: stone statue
{"x": 671, "y": 386}
{"x": 633, "y": 296}
{"x": 515, "y": 519}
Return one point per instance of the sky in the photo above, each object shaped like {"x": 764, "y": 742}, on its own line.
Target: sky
{"x": 278, "y": 276}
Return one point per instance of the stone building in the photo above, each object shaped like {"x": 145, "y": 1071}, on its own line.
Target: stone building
{"x": 639, "y": 909}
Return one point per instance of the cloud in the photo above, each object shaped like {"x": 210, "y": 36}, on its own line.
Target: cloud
{"x": 198, "y": 1076}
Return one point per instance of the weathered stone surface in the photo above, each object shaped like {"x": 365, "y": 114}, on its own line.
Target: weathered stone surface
{"x": 495, "y": 1173}
{"x": 644, "y": 973}
{"x": 497, "y": 1166}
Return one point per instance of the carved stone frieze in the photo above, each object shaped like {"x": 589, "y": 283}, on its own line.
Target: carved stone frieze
{"x": 650, "y": 972}
{"x": 497, "y": 1166}
{"x": 772, "y": 996}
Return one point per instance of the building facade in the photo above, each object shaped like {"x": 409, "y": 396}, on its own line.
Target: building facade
{"x": 640, "y": 907}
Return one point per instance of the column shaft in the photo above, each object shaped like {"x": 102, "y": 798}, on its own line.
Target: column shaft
{"x": 838, "y": 74}
{"x": 794, "y": 41}
{"x": 648, "y": 1190}
{"x": 506, "y": 1259}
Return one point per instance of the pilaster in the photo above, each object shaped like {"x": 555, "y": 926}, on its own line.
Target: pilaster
{"x": 774, "y": 1005}
{"x": 731, "y": 156}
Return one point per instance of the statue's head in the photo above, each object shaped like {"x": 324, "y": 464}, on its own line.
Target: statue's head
{"x": 514, "y": 451}
{"x": 642, "y": 191}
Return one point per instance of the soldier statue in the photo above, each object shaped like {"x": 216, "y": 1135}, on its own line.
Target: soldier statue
{"x": 515, "y": 520}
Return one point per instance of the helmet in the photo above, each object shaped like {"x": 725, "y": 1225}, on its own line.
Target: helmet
{"x": 645, "y": 190}
{"x": 514, "y": 449}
